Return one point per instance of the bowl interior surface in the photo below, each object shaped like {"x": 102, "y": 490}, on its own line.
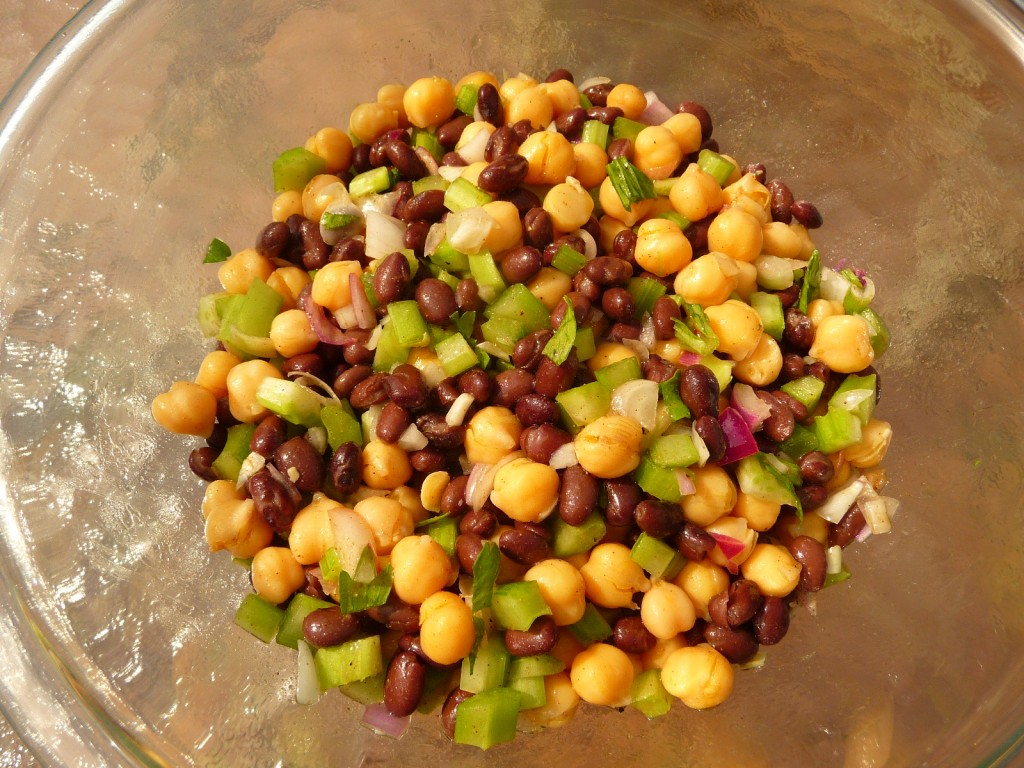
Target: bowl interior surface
{"x": 153, "y": 130}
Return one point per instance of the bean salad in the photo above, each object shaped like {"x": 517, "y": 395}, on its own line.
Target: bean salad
{"x": 530, "y": 395}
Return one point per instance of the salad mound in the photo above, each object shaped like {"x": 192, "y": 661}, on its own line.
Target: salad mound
{"x": 530, "y": 395}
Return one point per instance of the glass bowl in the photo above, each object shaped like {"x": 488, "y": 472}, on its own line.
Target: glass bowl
{"x": 149, "y": 128}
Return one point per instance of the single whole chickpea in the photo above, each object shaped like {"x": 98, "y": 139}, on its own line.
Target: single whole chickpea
{"x": 385, "y": 466}
{"x": 656, "y": 152}
{"x": 609, "y": 446}
{"x": 276, "y": 574}
{"x": 773, "y": 569}
{"x": 715, "y": 495}
{"x": 738, "y": 327}
{"x": 562, "y": 587}
{"x": 843, "y": 343}
{"x": 242, "y": 382}
{"x": 186, "y": 409}
{"x": 492, "y": 434}
{"x": 666, "y": 610}
{"x": 560, "y": 702}
{"x": 602, "y": 674}
{"x": 213, "y": 371}
{"x": 389, "y": 521}
{"x": 763, "y": 365}
{"x": 292, "y": 334}
{"x": 525, "y": 490}
{"x": 699, "y": 676}
{"x": 707, "y": 280}
{"x": 569, "y": 205}
{"x": 735, "y": 233}
{"x": 661, "y": 247}
{"x": 429, "y": 101}
{"x": 611, "y": 577}
{"x": 549, "y": 156}
{"x": 420, "y": 567}
{"x": 447, "y": 633}
{"x": 696, "y": 194}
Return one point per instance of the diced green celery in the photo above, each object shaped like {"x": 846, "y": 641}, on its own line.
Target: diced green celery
{"x": 860, "y": 295}
{"x": 656, "y": 557}
{"x": 592, "y": 628}
{"x": 428, "y": 183}
{"x": 465, "y": 99}
{"x": 672, "y": 400}
{"x": 658, "y": 481}
{"x": 673, "y": 451}
{"x": 449, "y": 258}
{"x": 800, "y": 442}
{"x": 487, "y": 666}
{"x": 715, "y": 165}
{"x": 455, "y": 355}
{"x": 758, "y": 478}
{"x": 568, "y": 260}
{"x": 624, "y": 128}
{"x": 295, "y": 403}
{"x": 619, "y": 372}
{"x": 421, "y": 137}
{"x": 342, "y": 427}
{"x": 694, "y": 331}
{"x": 836, "y": 429}
{"x": 487, "y": 718}
{"x": 630, "y": 183}
{"x": 486, "y": 273}
{"x": 293, "y": 169}
{"x": 517, "y": 302}
{"x": 769, "y": 308}
{"x": 595, "y": 132}
{"x": 503, "y": 331}
{"x": 444, "y": 531}
{"x": 236, "y": 448}
{"x": 568, "y": 540}
{"x": 645, "y": 292}
{"x": 680, "y": 221}
{"x": 211, "y": 309}
{"x": 342, "y": 664}
{"x": 853, "y": 389}
{"x": 877, "y": 329}
{"x": 390, "y": 351}
{"x": 217, "y": 252}
{"x": 374, "y": 181}
{"x": 445, "y": 276}
{"x": 806, "y": 390}
{"x": 584, "y": 344}
{"x": 539, "y": 665}
{"x": 462, "y": 194}
{"x": 299, "y": 607}
{"x": 649, "y": 695}
{"x": 811, "y": 282}
{"x": 368, "y": 691}
{"x": 531, "y": 692}
{"x": 259, "y": 617}
{"x": 774, "y": 272}
{"x": 408, "y": 323}
{"x": 331, "y": 565}
{"x": 245, "y": 328}
{"x": 584, "y": 404}
{"x": 662, "y": 187}
{"x": 517, "y": 604}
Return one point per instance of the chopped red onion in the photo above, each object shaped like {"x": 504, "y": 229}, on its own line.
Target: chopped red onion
{"x": 689, "y": 358}
{"x": 656, "y": 111}
{"x": 366, "y": 318}
{"x": 378, "y": 719}
{"x": 320, "y": 321}
{"x": 739, "y": 440}
{"x": 564, "y": 456}
{"x": 686, "y": 486}
{"x": 753, "y": 409}
{"x": 730, "y": 546}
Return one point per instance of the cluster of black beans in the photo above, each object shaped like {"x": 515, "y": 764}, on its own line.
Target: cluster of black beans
{"x": 741, "y": 618}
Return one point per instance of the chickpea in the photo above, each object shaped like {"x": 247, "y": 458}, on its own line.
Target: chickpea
{"x": 789, "y": 526}
{"x": 602, "y": 674}
{"x": 237, "y": 273}
{"x": 699, "y": 676}
{"x": 666, "y": 610}
{"x": 759, "y": 513}
{"x": 591, "y": 164}
{"x": 749, "y": 188}
{"x": 492, "y": 434}
{"x": 750, "y": 206}
{"x": 288, "y": 203}
{"x": 447, "y": 634}
{"x": 242, "y": 382}
{"x": 611, "y": 576}
{"x": 477, "y": 79}
{"x": 471, "y": 172}
{"x": 410, "y": 500}
{"x": 762, "y": 366}
{"x": 819, "y": 309}
{"x": 738, "y": 327}
{"x": 667, "y": 349}
{"x": 276, "y": 575}
{"x": 656, "y": 657}
{"x": 562, "y": 587}
{"x": 331, "y": 284}
{"x": 567, "y": 647}
{"x": 335, "y": 147}
{"x": 420, "y": 567}
{"x": 735, "y": 528}
{"x": 569, "y": 205}
{"x": 685, "y": 128}
{"x": 213, "y": 371}
{"x": 429, "y": 101}
{"x": 385, "y": 466}
{"x": 186, "y": 409}
{"x": 707, "y": 280}
{"x": 629, "y": 99}
{"x": 311, "y": 534}
{"x": 696, "y": 194}
{"x": 432, "y": 490}
{"x": 702, "y": 581}
{"x": 507, "y": 230}
{"x": 661, "y": 247}
{"x": 563, "y": 96}
{"x": 773, "y": 569}
{"x": 389, "y": 521}
{"x": 746, "y": 279}
{"x": 805, "y": 238}
{"x": 612, "y": 206}
{"x": 714, "y": 496}
{"x": 289, "y": 282}
{"x": 735, "y": 233}
{"x": 874, "y": 444}
{"x": 608, "y": 352}
{"x": 610, "y": 227}
{"x": 471, "y": 131}
{"x": 549, "y": 285}
{"x": 292, "y": 334}
{"x": 390, "y": 96}
{"x": 319, "y": 192}
{"x": 513, "y": 86}
{"x": 778, "y": 239}
{"x": 370, "y": 120}
{"x": 533, "y": 104}
{"x": 560, "y": 702}
{"x": 609, "y": 446}
{"x": 656, "y": 152}
{"x": 525, "y": 490}
{"x": 843, "y": 343}
{"x": 549, "y": 156}
{"x": 236, "y": 526}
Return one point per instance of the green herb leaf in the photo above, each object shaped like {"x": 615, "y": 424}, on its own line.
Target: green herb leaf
{"x": 485, "y": 573}
{"x": 630, "y": 183}
{"x": 355, "y": 596}
{"x": 811, "y": 283}
{"x": 464, "y": 323}
{"x": 560, "y": 345}
{"x": 695, "y": 332}
{"x": 672, "y": 399}
{"x": 217, "y": 252}
{"x": 337, "y": 220}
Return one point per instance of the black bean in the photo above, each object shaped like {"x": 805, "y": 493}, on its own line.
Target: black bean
{"x": 598, "y": 94}
{"x": 450, "y": 708}
{"x": 780, "y": 422}
{"x": 268, "y": 435}
{"x": 700, "y": 112}
{"x": 404, "y": 158}
{"x": 559, "y": 74}
{"x": 481, "y": 522}
{"x": 453, "y": 498}
{"x": 427, "y": 460}
{"x": 605, "y": 114}
{"x": 789, "y": 296}
{"x": 608, "y": 270}
{"x": 200, "y": 461}
{"x": 344, "y": 468}
{"x": 393, "y": 421}
{"x": 467, "y": 549}
{"x": 467, "y": 295}
{"x": 624, "y": 246}
{"x": 807, "y": 214}
{"x": 478, "y": 384}
{"x": 810, "y": 554}
{"x": 307, "y": 362}
{"x": 799, "y": 409}
{"x": 488, "y": 103}
{"x": 503, "y": 142}
{"x": 273, "y": 239}
{"x": 325, "y": 627}
{"x": 793, "y": 366}
{"x": 453, "y": 159}
{"x": 519, "y": 265}
{"x": 541, "y": 441}
{"x": 357, "y": 353}
{"x": 219, "y": 437}
{"x": 272, "y": 501}
{"x": 781, "y": 201}
{"x": 697, "y": 234}
{"x": 300, "y": 455}
{"x": 744, "y": 601}
{"x": 580, "y": 308}
{"x": 403, "y": 683}
{"x": 622, "y": 497}
{"x": 405, "y": 386}
{"x": 799, "y": 332}
{"x": 524, "y": 546}
{"x": 224, "y": 416}
{"x": 630, "y": 635}
{"x": 539, "y": 638}
{"x": 578, "y": 495}
{"x": 396, "y": 615}
{"x": 347, "y": 380}
{"x": 737, "y": 645}
{"x": 448, "y": 134}
{"x": 522, "y": 198}
{"x": 621, "y": 147}
{"x": 617, "y": 303}
{"x": 710, "y": 431}
{"x": 533, "y": 409}
{"x": 440, "y": 433}
{"x": 693, "y": 542}
{"x": 718, "y": 609}
{"x": 846, "y": 530}
{"x": 664, "y": 315}
{"x": 659, "y": 519}
{"x": 771, "y": 622}
{"x": 503, "y": 174}
{"x": 446, "y": 392}
{"x": 811, "y": 495}
{"x": 361, "y": 158}
{"x": 698, "y": 388}
{"x": 586, "y": 287}
{"x": 371, "y": 390}
{"x": 391, "y": 279}
{"x": 658, "y": 369}
{"x": 758, "y": 169}
{"x": 436, "y": 300}
{"x": 349, "y": 249}
{"x": 553, "y": 378}
{"x": 511, "y": 385}
{"x": 538, "y": 230}
{"x": 428, "y": 205}
{"x": 522, "y": 129}
{"x": 816, "y": 467}
{"x": 570, "y": 122}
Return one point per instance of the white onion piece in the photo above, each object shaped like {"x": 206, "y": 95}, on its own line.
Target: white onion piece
{"x": 352, "y": 534}
{"x": 450, "y": 172}
{"x": 647, "y": 336}
{"x": 384, "y": 235}
{"x": 753, "y": 409}
{"x": 365, "y": 316}
{"x": 412, "y": 439}
{"x": 547, "y": 512}
{"x": 656, "y": 112}
{"x": 468, "y": 229}
{"x": 307, "y": 686}
{"x": 589, "y": 243}
{"x": 345, "y": 317}
{"x": 637, "y": 400}
{"x": 370, "y": 418}
{"x": 638, "y": 348}
{"x": 457, "y": 412}
{"x": 874, "y": 509}
{"x": 435, "y": 236}
{"x": 252, "y": 464}
{"x": 431, "y": 371}
{"x": 317, "y": 437}
{"x": 564, "y": 456}
{"x": 378, "y": 719}
{"x": 686, "y": 486}
{"x": 703, "y": 454}
{"x": 832, "y": 285}
{"x": 474, "y": 492}
{"x": 473, "y": 151}
{"x": 592, "y": 81}
{"x": 428, "y": 160}
{"x": 494, "y": 350}
{"x": 839, "y": 503}
{"x": 371, "y": 343}
{"x": 834, "y": 559}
